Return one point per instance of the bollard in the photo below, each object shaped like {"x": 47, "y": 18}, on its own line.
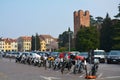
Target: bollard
{"x": 86, "y": 67}
{"x": 90, "y": 76}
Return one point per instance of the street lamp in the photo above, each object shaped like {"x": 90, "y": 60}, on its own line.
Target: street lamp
{"x": 69, "y": 41}
{"x": 71, "y": 36}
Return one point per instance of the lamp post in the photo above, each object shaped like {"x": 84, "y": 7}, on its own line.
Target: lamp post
{"x": 70, "y": 35}
{"x": 69, "y": 41}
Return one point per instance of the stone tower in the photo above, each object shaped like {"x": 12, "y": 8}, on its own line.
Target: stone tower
{"x": 81, "y": 19}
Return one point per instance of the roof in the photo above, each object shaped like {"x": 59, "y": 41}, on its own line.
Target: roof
{"x": 25, "y": 37}
{"x": 44, "y": 37}
{"x": 9, "y": 40}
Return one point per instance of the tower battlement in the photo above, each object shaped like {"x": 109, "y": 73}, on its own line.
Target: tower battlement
{"x": 81, "y": 18}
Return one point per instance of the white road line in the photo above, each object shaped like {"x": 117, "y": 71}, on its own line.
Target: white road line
{"x": 111, "y": 77}
{"x": 2, "y": 74}
{"x": 100, "y": 75}
{"x": 82, "y": 75}
{"x": 68, "y": 73}
{"x": 48, "y": 78}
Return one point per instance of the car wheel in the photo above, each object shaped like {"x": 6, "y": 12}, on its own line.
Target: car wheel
{"x": 108, "y": 62}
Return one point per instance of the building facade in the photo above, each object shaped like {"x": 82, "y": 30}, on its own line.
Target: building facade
{"x": 8, "y": 45}
{"x": 43, "y": 45}
{"x": 81, "y": 19}
{"x": 50, "y": 43}
{"x": 1, "y": 44}
{"x": 24, "y": 43}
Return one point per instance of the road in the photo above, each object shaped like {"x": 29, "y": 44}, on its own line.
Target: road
{"x": 9, "y": 70}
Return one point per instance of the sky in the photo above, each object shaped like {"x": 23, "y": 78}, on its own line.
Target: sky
{"x": 53, "y": 17}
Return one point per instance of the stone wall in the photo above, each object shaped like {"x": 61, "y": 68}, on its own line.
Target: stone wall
{"x": 81, "y": 19}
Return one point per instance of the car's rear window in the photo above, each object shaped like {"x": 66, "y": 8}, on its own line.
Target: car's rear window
{"x": 115, "y": 53}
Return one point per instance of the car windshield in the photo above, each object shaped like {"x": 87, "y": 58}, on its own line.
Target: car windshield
{"x": 99, "y": 53}
{"x": 25, "y": 53}
{"x": 76, "y": 53}
{"x": 83, "y": 54}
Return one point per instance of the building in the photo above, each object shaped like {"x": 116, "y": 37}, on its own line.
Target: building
{"x": 50, "y": 43}
{"x": 1, "y": 44}
{"x": 14, "y": 45}
{"x": 8, "y": 44}
{"x": 81, "y": 19}
{"x": 43, "y": 44}
{"x": 24, "y": 43}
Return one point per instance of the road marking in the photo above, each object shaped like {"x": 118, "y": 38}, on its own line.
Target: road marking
{"x": 82, "y": 75}
{"x": 100, "y": 75}
{"x": 69, "y": 72}
{"x": 2, "y": 75}
{"x": 111, "y": 77}
{"x": 48, "y": 78}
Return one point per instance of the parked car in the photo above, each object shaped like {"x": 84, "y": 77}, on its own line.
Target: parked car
{"x": 100, "y": 54}
{"x": 8, "y": 55}
{"x": 113, "y": 56}
{"x": 15, "y": 54}
{"x": 2, "y": 54}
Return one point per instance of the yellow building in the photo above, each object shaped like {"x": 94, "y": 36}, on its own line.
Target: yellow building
{"x": 8, "y": 45}
{"x": 48, "y": 43}
{"x": 14, "y": 45}
{"x": 24, "y": 43}
{"x": 43, "y": 45}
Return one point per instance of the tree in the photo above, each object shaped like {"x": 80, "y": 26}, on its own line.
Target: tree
{"x": 118, "y": 15}
{"x": 92, "y": 21}
{"x": 116, "y": 36}
{"x": 37, "y": 42}
{"x": 53, "y": 46}
{"x": 64, "y": 38}
{"x": 106, "y": 34}
{"x": 87, "y": 38}
{"x": 33, "y": 43}
{"x": 99, "y": 22}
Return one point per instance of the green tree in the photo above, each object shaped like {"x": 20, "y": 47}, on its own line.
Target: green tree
{"x": 116, "y": 36}
{"x": 106, "y": 34}
{"x": 118, "y": 15}
{"x": 33, "y": 43}
{"x": 92, "y": 21}
{"x": 99, "y": 21}
{"x": 37, "y": 42}
{"x": 62, "y": 49}
{"x": 64, "y": 38}
{"x": 87, "y": 38}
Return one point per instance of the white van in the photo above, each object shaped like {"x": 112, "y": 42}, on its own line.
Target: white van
{"x": 100, "y": 54}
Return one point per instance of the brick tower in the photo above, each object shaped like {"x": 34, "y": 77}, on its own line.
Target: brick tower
{"x": 81, "y": 19}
